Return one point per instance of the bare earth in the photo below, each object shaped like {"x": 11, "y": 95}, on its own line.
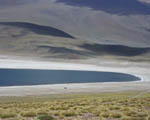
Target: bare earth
{"x": 139, "y": 69}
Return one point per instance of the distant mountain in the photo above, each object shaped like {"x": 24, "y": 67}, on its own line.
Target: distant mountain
{"x": 15, "y": 2}
{"x": 44, "y": 42}
{"x": 121, "y": 22}
{"x": 117, "y": 50}
{"x": 76, "y": 29}
{"x": 119, "y": 7}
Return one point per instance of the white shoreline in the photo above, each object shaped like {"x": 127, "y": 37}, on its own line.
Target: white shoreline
{"x": 142, "y": 85}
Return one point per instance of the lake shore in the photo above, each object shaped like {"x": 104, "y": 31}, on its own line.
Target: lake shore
{"x": 140, "y": 71}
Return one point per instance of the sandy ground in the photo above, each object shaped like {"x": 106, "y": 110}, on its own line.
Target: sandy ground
{"x": 142, "y": 70}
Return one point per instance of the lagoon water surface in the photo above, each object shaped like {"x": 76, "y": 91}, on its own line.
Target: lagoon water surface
{"x": 22, "y": 77}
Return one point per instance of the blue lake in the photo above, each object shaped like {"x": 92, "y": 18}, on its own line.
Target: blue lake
{"x": 22, "y": 77}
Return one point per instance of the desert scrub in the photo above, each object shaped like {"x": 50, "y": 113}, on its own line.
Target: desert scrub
{"x": 105, "y": 115}
{"x": 114, "y": 107}
{"x": 142, "y": 114}
{"x": 126, "y": 118}
{"x": 45, "y": 117}
{"x": 133, "y": 118}
{"x": 42, "y": 111}
{"x": 69, "y": 113}
{"x": 28, "y": 114}
{"x": 130, "y": 113}
{"x": 120, "y": 106}
{"x": 97, "y": 112}
{"x": 125, "y": 109}
{"x": 116, "y": 115}
{"x": 56, "y": 113}
{"x": 7, "y": 114}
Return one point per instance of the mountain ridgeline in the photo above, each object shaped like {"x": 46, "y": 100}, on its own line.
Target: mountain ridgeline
{"x": 117, "y": 50}
{"x": 119, "y": 7}
{"x": 39, "y": 29}
{"x": 55, "y": 45}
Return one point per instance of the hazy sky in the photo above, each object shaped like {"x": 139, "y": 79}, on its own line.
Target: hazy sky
{"x": 145, "y": 1}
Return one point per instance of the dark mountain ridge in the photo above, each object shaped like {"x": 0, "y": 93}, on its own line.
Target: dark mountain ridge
{"x": 39, "y": 29}
{"x": 117, "y": 50}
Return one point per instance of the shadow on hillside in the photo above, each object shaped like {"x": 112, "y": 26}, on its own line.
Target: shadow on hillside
{"x": 39, "y": 29}
{"x": 118, "y": 50}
